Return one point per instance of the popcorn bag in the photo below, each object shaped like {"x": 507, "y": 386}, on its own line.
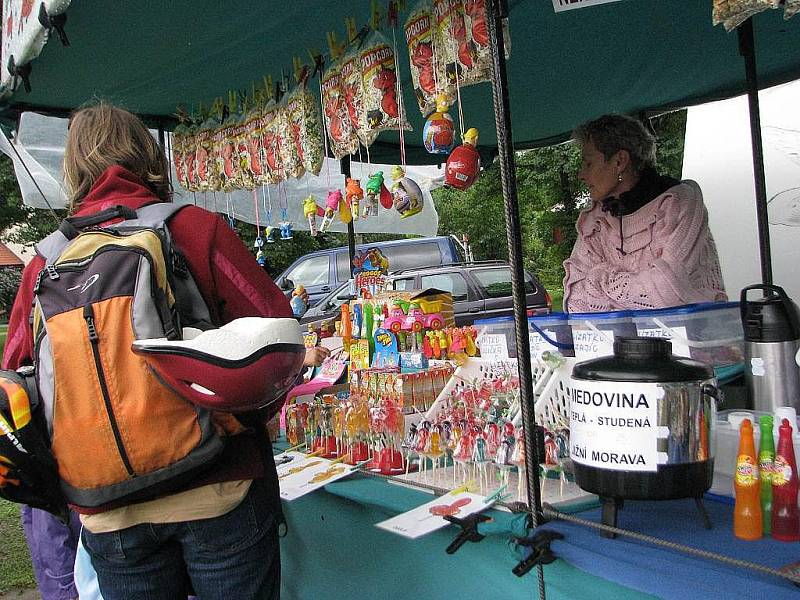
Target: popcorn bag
{"x": 290, "y": 116}
{"x": 418, "y": 31}
{"x": 227, "y": 162}
{"x": 180, "y": 144}
{"x": 461, "y": 44}
{"x": 732, "y": 13}
{"x": 382, "y": 106}
{"x": 310, "y": 131}
{"x": 342, "y": 134}
{"x": 352, "y": 89}
{"x": 245, "y": 176}
{"x": 205, "y": 159}
{"x": 252, "y": 139}
{"x": 271, "y": 160}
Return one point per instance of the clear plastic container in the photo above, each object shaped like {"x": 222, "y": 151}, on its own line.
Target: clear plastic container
{"x": 727, "y": 434}
{"x": 710, "y": 332}
{"x": 593, "y": 333}
{"x": 550, "y": 333}
{"x": 494, "y": 334}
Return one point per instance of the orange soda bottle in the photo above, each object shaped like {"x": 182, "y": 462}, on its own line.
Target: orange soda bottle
{"x": 747, "y": 523}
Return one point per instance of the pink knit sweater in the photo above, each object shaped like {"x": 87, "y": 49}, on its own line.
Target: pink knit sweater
{"x": 670, "y": 257}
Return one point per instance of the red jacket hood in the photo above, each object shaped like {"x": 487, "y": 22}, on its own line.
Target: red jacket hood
{"x": 116, "y": 186}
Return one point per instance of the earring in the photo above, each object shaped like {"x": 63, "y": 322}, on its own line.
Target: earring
{"x": 619, "y": 177}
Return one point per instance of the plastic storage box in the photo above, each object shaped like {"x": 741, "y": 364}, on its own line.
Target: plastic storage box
{"x": 496, "y": 337}
{"x": 593, "y": 333}
{"x": 550, "y": 333}
{"x": 710, "y": 332}
{"x": 728, "y": 447}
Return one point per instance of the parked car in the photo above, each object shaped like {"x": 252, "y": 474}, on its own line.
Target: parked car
{"x": 480, "y": 290}
{"x": 322, "y": 271}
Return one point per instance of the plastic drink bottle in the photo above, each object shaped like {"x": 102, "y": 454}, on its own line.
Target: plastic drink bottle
{"x": 785, "y": 516}
{"x": 766, "y": 458}
{"x": 747, "y": 511}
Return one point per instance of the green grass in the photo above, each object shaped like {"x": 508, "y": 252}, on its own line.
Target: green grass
{"x": 16, "y": 570}
{"x": 558, "y": 300}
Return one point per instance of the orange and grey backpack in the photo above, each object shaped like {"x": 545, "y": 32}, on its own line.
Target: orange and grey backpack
{"x": 118, "y": 433}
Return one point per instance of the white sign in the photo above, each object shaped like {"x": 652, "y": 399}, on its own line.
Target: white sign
{"x": 430, "y": 517}
{"x": 562, "y": 5}
{"x": 493, "y": 346}
{"x": 303, "y": 474}
{"x": 676, "y": 335}
{"x": 592, "y": 344}
{"x": 613, "y": 425}
{"x": 539, "y": 345}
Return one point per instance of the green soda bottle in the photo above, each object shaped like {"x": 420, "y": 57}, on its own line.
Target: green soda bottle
{"x": 766, "y": 458}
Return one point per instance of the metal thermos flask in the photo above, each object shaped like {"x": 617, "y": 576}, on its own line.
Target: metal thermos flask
{"x": 771, "y": 340}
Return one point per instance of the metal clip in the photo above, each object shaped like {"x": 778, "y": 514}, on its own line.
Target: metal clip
{"x": 541, "y": 554}
{"x": 469, "y": 530}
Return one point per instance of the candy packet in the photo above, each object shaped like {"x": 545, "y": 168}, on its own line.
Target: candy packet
{"x": 732, "y": 13}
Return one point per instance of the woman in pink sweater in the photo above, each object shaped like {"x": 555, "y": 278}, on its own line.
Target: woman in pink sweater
{"x": 644, "y": 242}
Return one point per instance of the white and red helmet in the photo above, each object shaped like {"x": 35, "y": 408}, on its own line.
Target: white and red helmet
{"x": 247, "y": 364}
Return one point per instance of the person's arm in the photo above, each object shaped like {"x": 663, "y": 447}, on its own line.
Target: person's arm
{"x": 243, "y": 288}
{"x": 679, "y": 239}
{"x": 18, "y": 350}
{"x": 581, "y": 293}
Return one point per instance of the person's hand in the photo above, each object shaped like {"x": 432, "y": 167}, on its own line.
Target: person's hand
{"x": 315, "y": 356}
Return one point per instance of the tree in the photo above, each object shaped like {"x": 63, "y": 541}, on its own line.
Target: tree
{"x": 10, "y": 278}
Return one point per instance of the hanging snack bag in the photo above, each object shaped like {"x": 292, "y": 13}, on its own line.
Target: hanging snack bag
{"x": 272, "y": 160}
{"x": 352, "y": 89}
{"x": 205, "y": 158}
{"x": 306, "y": 129}
{"x": 245, "y": 176}
{"x": 341, "y": 133}
{"x": 290, "y": 115}
{"x": 477, "y": 33}
{"x": 225, "y": 152}
{"x": 382, "y": 106}
{"x": 450, "y": 44}
{"x": 252, "y": 140}
{"x": 419, "y": 29}
{"x": 732, "y": 13}
{"x": 180, "y": 142}
{"x": 791, "y": 9}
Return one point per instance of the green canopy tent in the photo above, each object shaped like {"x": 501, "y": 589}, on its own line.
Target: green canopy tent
{"x": 632, "y": 56}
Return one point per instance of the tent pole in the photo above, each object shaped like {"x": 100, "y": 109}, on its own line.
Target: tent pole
{"x": 344, "y": 164}
{"x": 747, "y": 50}
{"x": 496, "y": 11}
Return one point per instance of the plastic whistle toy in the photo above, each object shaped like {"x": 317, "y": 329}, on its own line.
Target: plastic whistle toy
{"x": 311, "y": 211}
{"x": 375, "y": 191}
{"x": 464, "y": 163}
{"x": 331, "y": 207}
{"x": 406, "y": 194}
{"x": 438, "y": 134}
{"x": 299, "y": 301}
{"x": 261, "y": 258}
{"x": 353, "y": 195}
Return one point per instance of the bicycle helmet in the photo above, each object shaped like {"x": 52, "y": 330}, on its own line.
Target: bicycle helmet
{"x": 247, "y": 364}
{"x": 28, "y": 471}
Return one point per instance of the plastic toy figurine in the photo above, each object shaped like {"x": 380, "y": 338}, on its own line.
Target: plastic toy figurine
{"x": 331, "y": 206}
{"x": 261, "y": 258}
{"x": 286, "y": 230}
{"x": 268, "y": 234}
{"x": 299, "y": 301}
{"x": 438, "y": 134}
{"x": 376, "y": 190}
{"x": 311, "y": 212}
{"x": 464, "y": 163}
{"x": 353, "y": 196}
{"x": 407, "y": 194}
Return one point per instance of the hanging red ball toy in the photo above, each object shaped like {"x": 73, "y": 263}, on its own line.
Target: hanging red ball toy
{"x": 464, "y": 163}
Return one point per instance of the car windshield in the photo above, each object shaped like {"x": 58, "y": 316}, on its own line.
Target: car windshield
{"x": 497, "y": 281}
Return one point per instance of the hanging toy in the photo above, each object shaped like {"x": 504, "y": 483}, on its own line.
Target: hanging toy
{"x": 261, "y": 258}
{"x": 354, "y": 194}
{"x": 299, "y": 301}
{"x": 311, "y": 212}
{"x": 438, "y": 135}
{"x": 331, "y": 206}
{"x": 375, "y": 188}
{"x": 286, "y": 230}
{"x": 464, "y": 163}
{"x": 268, "y": 234}
{"x": 406, "y": 193}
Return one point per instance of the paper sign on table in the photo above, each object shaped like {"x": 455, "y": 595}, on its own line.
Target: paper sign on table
{"x": 430, "y": 517}
{"x": 301, "y": 477}
{"x": 493, "y": 346}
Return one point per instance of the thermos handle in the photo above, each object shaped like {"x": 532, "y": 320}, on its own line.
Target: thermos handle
{"x": 767, "y": 287}
{"x": 713, "y": 392}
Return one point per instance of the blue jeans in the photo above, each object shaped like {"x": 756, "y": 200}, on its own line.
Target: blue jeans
{"x": 236, "y": 555}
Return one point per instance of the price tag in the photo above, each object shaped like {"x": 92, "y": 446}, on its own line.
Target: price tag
{"x": 493, "y": 346}
{"x": 430, "y": 516}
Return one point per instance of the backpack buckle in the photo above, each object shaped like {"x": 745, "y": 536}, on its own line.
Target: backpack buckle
{"x": 52, "y": 273}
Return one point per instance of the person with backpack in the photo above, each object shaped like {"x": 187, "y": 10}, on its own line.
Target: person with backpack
{"x": 202, "y": 514}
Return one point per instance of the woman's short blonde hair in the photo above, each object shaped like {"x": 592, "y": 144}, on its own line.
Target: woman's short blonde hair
{"x": 101, "y": 136}
{"x": 612, "y": 133}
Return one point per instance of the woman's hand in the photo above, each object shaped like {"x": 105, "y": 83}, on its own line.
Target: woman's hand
{"x": 315, "y": 356}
